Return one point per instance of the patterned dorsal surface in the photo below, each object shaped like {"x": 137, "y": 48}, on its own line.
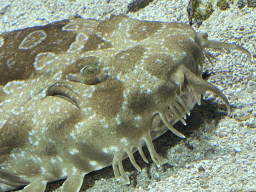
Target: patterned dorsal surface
{"x": 79, "y": 95}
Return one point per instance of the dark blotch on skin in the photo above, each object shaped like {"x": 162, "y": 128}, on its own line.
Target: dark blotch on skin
{"x": 128, "y": 130}
{"x": 107, "y": 97}
{"x": 93, "y": 42}
{"x": 86, "y": 150}
{"x": 159, "y": 69}
{"x": 144, "y": 29}
{"x": 165, "y": 92}
{"x": 110, "y": 25}
{"x": 140, "y": 102}
{"x": 128, "y": 58}
{"x": 51, "y": 150}
{"x": 13, "y": 135}
{"x": 21, "y": 61}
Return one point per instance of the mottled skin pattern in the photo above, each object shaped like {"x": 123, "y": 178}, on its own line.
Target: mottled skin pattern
{"x": 79, "y": 95}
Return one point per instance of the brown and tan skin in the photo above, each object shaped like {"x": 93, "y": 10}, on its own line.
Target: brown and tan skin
{"x": 79, "y": 95}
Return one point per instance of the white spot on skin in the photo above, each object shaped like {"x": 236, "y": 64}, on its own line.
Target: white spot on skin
{"x": 143, "y": 28}
{"x": 158, "y": 61}
{"x": 31, "y": 133}
{"x": 90, "y": 133}
{"x": 113, "y": 149}
{"x": 44, "y": 129}
{"x": 93, "y": 116}
{"x": 22, "y": 154}
{"x": 43, "y": 170}
{"x": 124, "y": 107}
{"x": 13, "y": 156}
{"x": 191, "y": 39}
{"x": 32, "y": 40}
{"x": 103, "y": 120}
{"x": 70, "y": 27}
{"x": 119, "y": 26}
{"x": 1, "y": 41}
{"x": 38, "y": 159}
{"x": 76, "y": 127}
{"x": 17, "y": 111}
{"x": 92, "y": 88}
{"x": 79, "y": 125}
{"x": 44, "y": 59}
{"x": 93, "y": 163}
{"x": 36, "y": 143}
{"x": 164, "y": 48}
{"x": 117, "y": 120}
{"x": 53, "y": 110}
{"x": 138, "y": 118}
{"x": 12, "y": 87}
{"x": 86, "y": 111}
{"x": 33, "y": 158}
{"x": 118, "y": 77}
{"x": 72, "y": 135}
{"x": 199, "y": 68}
{"x": 105, "y": 150}
{"x": 124, "y": 141}
{"x": 73, "y": 152}
{"x": 64, "y": 172}
{"x": 155, "y": 78}
{"x": 126, "y": 77}
{"x": 74, "y": 170}
{"x": 2, "y": 123}
{"x": 53, "y": 160}
{"x": 59, "y": 159}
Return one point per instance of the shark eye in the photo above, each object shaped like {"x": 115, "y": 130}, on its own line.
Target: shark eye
{"x": 89, "y": 75}
{"x": 89, "y": 71}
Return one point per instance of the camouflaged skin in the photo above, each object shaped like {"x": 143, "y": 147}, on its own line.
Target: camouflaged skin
{"x": 79, "y": 95}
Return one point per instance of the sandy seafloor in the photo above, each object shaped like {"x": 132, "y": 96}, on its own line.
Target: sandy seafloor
{"x": 220, "y": 152}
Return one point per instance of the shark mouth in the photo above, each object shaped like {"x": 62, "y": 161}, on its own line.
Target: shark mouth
{"x": 170, "y": 110}
{"x": 161, "y": 122}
